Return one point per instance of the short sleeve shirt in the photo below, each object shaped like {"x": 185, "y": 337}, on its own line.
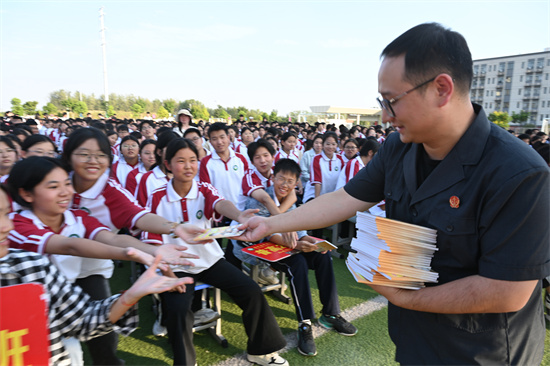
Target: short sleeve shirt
{"x": 29, "y": 233}
{"x": 197, "y": 208}
{"x": 225, "y": 176}
{"x": 111, "y": 204}
{"x": 489, "y": 200}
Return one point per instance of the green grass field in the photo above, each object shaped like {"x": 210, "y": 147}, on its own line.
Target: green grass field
{"x": 371, "y": 346}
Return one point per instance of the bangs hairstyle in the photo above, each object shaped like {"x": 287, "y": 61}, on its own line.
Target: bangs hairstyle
{"x": 147, "y": 142}
{"x": 80, "y": 136}
{"x": 429, "y": 50}
{"x": 288, "y": 135}
{"x": 176, "y": 145}
{"x": 9, "y": 142}
{"x": 254, "y": 146}
{"x": 287, "y": 166}
{"x": 192, "y": 130}
{"x": 26, "y": 174}
{"x": 36, "y": 139}
{"x": 328, "y": 135}
{"x": 129, "y": 138}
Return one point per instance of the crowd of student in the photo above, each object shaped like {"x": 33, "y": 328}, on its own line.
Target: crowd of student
{"x": 163, "y": 182}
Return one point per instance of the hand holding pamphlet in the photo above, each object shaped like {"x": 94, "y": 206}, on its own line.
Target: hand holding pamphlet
{"x": 220, "y": 232}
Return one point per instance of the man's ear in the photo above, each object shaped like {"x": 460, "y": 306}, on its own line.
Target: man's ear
{"x": 445, "y": 88}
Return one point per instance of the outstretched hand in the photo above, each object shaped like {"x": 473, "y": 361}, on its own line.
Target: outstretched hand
{"x": 174, "y": 254}
{"x": 188, "y": 233}
{"x": 247, "y": 215}
{"x": 139, "y": 256}
{"x": 256, "y": 228}
{"x": 150, "y": 283}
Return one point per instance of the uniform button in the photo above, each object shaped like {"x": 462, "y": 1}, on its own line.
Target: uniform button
{"x": 414, "y": 212}
{"x": 388, "y": 194}
{"x": 450, "y": 228}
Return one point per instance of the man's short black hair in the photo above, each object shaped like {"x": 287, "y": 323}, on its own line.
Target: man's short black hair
{"x": 218, "y": 126}
{"x": 122, "y": 127}
{"x": 287, "y": 166}
{"x": 254, "y": 146}
{"x": 431, "y": 49}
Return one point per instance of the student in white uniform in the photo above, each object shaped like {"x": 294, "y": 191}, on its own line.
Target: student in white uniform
{"x": 89, "y": 155}
{"x": 185, "y": 200}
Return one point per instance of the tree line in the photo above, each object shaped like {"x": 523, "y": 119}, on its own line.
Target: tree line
{"x": 79, "y": 103}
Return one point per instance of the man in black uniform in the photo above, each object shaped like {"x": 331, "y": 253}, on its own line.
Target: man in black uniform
{"x": 485, "y": 192}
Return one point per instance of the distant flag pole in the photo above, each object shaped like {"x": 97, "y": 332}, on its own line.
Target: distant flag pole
{"x": 103, "y": 44}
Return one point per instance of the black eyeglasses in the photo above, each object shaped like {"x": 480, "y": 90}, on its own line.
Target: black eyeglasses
{"x": 386, "y": 103}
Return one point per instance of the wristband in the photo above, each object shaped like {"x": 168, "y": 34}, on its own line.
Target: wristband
{"x": 122, "y": 301}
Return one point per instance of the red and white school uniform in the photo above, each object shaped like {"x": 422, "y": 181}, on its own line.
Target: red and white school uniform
{"x": 227, "y": 176}
{"x": 281, "y": 154}
{"x": 120, "y": 171}
{"x": 196, "y": 208}
{"x": 252, "y": 181}
{"x": 351, "y": 168}
{"x": 323, "y": 171}
{"x": 111, "y": 204}
{"x": 148, "y": 183}
{"x": 31, "y": 234}
{"x": 133, "y": 178}
{"x": 243, "y": 150}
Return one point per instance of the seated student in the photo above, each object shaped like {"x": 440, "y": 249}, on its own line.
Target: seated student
{"x": 255, "y": 181}
{"x": 87, "y": 319}
{"x": 184, "y": 199}
{"x": 286, "y": 174}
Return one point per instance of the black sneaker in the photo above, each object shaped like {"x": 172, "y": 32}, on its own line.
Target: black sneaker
{"x": 337, "y": 323}
{"x": 306, "y": 344}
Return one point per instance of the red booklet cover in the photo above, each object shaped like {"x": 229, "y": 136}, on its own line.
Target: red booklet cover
{"x": 269, "y": 251}
{"x": 23, "y": 325}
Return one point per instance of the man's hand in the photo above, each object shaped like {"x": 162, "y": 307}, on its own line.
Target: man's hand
{"x": 256, "y": 228}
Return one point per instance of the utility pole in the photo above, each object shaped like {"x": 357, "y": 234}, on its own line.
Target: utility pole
{"x": 103, "y": 43}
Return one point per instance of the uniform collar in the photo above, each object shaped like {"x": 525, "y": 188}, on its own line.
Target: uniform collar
{"x": 216, "y": 156}
{"x": 68, "y": 218}
{"x": 173, "y": 196}
{"x": 94, "y": 191}
{"x": 260, "y": 175}
{"x": 159, "y": 174}
{"x": 326, "y": 157}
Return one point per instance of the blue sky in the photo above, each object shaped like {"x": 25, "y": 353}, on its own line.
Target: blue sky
{"x": 283, "y": 55}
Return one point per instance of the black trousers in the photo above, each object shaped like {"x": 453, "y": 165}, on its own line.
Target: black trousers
{"x": 102, "y": 349}
{"x": 264, "y": 334}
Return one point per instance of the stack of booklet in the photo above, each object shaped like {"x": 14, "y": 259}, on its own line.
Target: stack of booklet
{"x": 392, "y": 253}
